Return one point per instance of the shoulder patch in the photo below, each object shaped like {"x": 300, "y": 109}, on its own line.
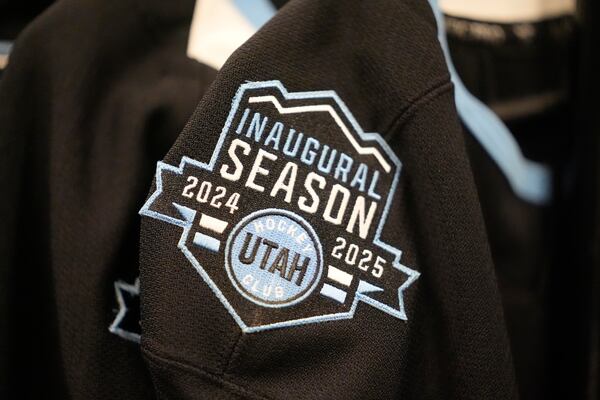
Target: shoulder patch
{"x": 284, "y": 222}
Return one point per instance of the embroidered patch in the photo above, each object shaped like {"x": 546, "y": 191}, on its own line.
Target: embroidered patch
{"x": 127, "y": 322}
{"x": 283, "y": 246}
{"x": 284, "y": 223}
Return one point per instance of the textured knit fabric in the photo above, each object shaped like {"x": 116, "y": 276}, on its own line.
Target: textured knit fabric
{"x": 97, "y": 92}
{"x": 94, "y": 94}
{"x": 533, "y": 246}
{"x": 384, "y": 62}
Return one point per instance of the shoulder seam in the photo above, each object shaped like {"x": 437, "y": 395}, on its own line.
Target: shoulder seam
{"x": 442, "y": 86}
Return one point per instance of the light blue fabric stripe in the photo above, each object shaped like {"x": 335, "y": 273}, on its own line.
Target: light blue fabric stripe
{"x": 207, "y": 242}
{"x": 334, "y": 293}
{"x": 5, "y": 47}
{"x": 258, "y": 12}
{"x": 530, "y": 180}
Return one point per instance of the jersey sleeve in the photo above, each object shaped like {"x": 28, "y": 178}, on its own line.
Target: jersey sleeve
{"x": 315, "y": 233}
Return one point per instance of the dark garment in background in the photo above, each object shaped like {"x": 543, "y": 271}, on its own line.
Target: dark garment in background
{"x": 529, "y": 74}
{"x": 586, "y": 204}
{"x": 94, "y": 94}
{"x": 16, "y": 15}
{"x": 97, "y": 92}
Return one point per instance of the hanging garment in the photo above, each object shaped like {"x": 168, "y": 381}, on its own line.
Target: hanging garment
{"x": 315, "y": 231}
{"x": 269, "y": 272}
{"x": 505, "y": 63}
{"x": 95, "y": 92}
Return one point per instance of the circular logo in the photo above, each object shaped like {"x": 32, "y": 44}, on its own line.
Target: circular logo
{"x": 274, "y": 258}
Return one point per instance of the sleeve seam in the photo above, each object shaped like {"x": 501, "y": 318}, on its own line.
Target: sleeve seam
{"x": 428, "y": 96}
{"x": 160, "y": 361}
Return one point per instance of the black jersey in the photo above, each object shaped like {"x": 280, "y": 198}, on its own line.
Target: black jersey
{"x": 322, "y": 227}
{"x": 94, "y": 93}
{"x": 540, "y": 251}
{"x": 315, "y": 231}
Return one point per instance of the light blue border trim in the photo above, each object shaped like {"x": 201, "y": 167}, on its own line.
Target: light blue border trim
{"x": 189, "y": 214}
{"x": 291, "y": 215}
{"x": 115, "y": 327}
{"x": 207, "y": 242}
{"x": 530, "y": 180}
{"x": 333, "y": 293}
{"x": 5, "y": 47}
{"x": 257, "y": 12}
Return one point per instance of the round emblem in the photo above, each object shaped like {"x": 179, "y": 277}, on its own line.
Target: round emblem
{"x": 274, "y": 258}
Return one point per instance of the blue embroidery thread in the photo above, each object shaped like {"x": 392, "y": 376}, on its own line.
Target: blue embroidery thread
{"x": 326, "y": 102}
{"x": 115, "y": 327}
